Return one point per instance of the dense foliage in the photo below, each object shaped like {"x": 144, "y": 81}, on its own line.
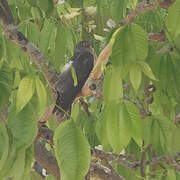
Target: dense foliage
{"x": 140, "y": 109}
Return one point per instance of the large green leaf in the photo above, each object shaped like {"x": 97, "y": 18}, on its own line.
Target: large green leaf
{"x": 23, "y": 11}
{"x": 17, "y": 169}
{"x": 101, "y": 129}
{"x": 41, "y": 91}
{"x": 162, "y": 105}
{"x": 5, "y": 171}
{"x": 151, "y": 21}
{"x": 118, "y": 9}
{"x": 117, "y": 127}
{"x": 112, "y": 86}
{"x": 25, "y": 92}
{"x": 4, "y": 144}
{"x": 173, "y": 143}
{"x": 159, "y": 131}
{"x": 60, "y": 46}
{"x": 29, "y": 157}
{"x": 23, "y": 125}
{"x": 169, "y": 80}
{"x": 123, "y": 123}
{"x": 131, "y": 44}
{"x": 133, "y": 120}
{"x": 47, "y": 31}
{"x": 33, "y": 33}
{"x": 43, "y": 4}
{"x": 173, "y": 23}
{"x": 72, "y": 151}
{"x": 166, "y": 70}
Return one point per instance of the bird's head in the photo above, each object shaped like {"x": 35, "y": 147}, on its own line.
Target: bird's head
{"x": 85, "y": 45}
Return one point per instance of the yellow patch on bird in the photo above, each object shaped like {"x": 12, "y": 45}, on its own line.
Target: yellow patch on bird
{"x": 74, "y": 76}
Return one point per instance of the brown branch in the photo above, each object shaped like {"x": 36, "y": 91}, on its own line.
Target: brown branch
{"x": 47, "y": 114}
{"x": 172, "y": 161}
{"x": 132, "y": 163}
{"x": 125, "y": 160}
{"x": 10, "y": 32}
{"x": 102, "y": 173}
{"x": 46, "y": 159}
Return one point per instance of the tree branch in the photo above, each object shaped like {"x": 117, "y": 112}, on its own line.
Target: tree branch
{"x": 11, "y": 32}
{"x": 46, "y": 159}
{"x": 101, "y": 172}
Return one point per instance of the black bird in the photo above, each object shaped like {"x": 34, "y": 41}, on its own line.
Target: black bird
{"x": 68, "y": 86}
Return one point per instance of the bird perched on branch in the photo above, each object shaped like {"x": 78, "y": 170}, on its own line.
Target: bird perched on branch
{"x": 73, "y": 77}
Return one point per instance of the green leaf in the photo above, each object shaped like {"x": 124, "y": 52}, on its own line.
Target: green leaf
{"x": 36, "y": 12}
{"x": 87, "y": 125}
{"x": 42, "y": 95}
{"x": 127, "y": 173}
{"x": 29, "y": 157}
{"x": 72, "y": 151}
{"x": 135, "y": 76}
{"x": 133, "y": 3}
{"x": 171, "y": 174}
{"x": 132, "y": 116}
{"x": 131, "y": 44}
{"x": 23, "y": 124}
{"x": 147, "y": 70}
{"x": 47, "y": 31}
{"x": 173, "y": 143}
{"x": 75, "y": 110}
{"x": 4, "y": 144}
{"x": 172, "y": 21}
{"x": 113, "y": 38}
{"x": 74, "y": 76}
{"x": 112, "y": 86}
{"x": 33, "y": 33}
{"x": 160, "y": 130}
{"x": 60, "y": 46}
{"x": 151, "y": 21}
{"x": 5, "y": 84}
{"x": 162, "y": 105}
{"x": 166, "y": 69}
{"x": 173, "y": 24}
{"x": 117, "y": 131}
{"x": 9, "y": 161}
{"x": 25, "y": 92}
{"x": 117, "y": 9}
{"x": 17, "y": 169}
{"x": 101, "y": 130}
{"x": 43, "y": 4}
